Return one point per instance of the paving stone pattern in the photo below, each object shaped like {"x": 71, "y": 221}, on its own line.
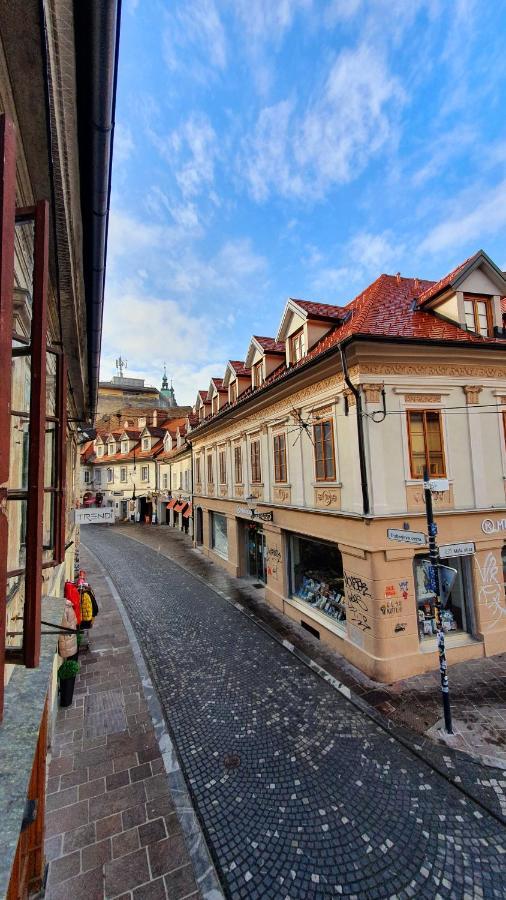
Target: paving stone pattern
{"x": 111, "y": 824}
{"x": 323, "y": 802}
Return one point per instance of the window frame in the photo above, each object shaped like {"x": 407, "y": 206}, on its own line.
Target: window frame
{"x": 222, "y": 465}
{"x": 146, "y": 470}
{"x": 197, "y": 470}
{"x": 238, "y": 465}
{"x": 280, "y": 460}
{"x": 256, "y": 461}
{"x": 474, "y": 299}
{"x": 297, "y": 344}
{"x": 145, "y": 444}
{"x": 233, "y": 391}
{"x": 110, "y": 475}
{"x": 215, "y": 404}
{"x": 123, "y": 471}
{"x": 327, "y": 476}
{"x": 210, "y": 469}
{"x": 424, "y": 412}
{"x": 257, "y": 373}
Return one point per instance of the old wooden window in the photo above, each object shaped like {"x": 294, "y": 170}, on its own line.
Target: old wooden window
{"x": 478, "y": 313}
{"x": 233, "y": 391}
{"x": 325, "y": 465}
{"x": 110, "y": 475}
{"x": 256, "y": 468}
{"x": 425, "y": 443}
{"x": 197, "y": 470}
{"x": 279, "y": 457}
{"x": 257, "y": 374}
{"x": 123, "y": 474}
{"x": 210, "y": 473}
{"x": 297, "y": 349}
{"x": 238, "y": 464}
{"x": 214, "y": 404}
{"x": 222, "y": 466}
{"x": 144, "y": 473}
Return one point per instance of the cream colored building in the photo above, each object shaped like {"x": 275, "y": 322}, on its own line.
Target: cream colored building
{"x": 175, "y": 480}
{"x": 327, "y": 429}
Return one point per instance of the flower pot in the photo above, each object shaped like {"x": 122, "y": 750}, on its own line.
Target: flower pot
{"x": 66, "y": 691}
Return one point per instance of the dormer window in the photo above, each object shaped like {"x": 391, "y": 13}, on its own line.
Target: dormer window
{"x": 112, "y": 449}
{"x": 215, "y": 404}
{"x": 478, "y": 315}
{"x": 233, "y": 391}
{"x": 297, "y": 346}
{"x": 124, "y": 446}
{"x": 257, "y": 374}
{"x": 145, "y": 443}
{"x": 100, "y": 450}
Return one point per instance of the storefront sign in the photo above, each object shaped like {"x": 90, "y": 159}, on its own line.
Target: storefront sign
{"x": 489, "y": 526}
{"x": 103, "y": 516}
{"x": 465, "y": 549}
{"x": 245, "y": 513}
{"x": 406, "y": 537}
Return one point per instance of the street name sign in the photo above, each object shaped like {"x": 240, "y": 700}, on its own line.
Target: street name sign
{"x": 96, "y": 516}
{"x": 406, "y": 537}
{"x": 465, "y": 548}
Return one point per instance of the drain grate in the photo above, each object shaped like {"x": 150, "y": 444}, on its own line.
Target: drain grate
{"x": 259, "y": 585}
{"x": 231, "y": 760}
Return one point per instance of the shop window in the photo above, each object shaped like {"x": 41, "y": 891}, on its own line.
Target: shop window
{"x": 457, "y": 615}
{"x": 257, "y": 374}
{"x": 256, "y": 468}
{"x": 317, "y": 577}
{"x": 210, "y": 473}
{"x": 198, "y": 477}
{"x": 122, "y": 474}
{"x": 297, "y": 349}
{"x": 425, "y": 443}
{"x": 325, "y": 466}
{"x": 222, "y": 467}
{"x": 478, "y": 315}
{"x": 279, "y": 457}
{"x": 219, "y": 534}
{"x": 144, "y": 473}
{"x": 238, "y": 464}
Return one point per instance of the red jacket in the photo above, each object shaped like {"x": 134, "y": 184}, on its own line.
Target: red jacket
{"x": 71, "y": 593}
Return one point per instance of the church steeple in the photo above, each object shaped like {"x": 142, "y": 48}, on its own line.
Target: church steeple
{"x": 165, "y": 383}
{"x": 166, "y": 391}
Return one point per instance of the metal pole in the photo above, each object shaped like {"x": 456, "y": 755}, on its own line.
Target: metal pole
{"x": 434, "y": 560}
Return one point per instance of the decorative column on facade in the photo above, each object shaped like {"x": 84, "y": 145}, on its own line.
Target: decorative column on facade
{"x": 350, "y": 396}
{"x": 372, "y": 393}
{"x": 472, "y": 392}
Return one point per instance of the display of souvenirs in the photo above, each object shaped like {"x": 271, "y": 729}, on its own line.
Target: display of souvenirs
{"x": 324, "y": 590}
{"x": 427, "y": 622}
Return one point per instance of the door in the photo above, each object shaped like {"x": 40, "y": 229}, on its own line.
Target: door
{"x": 256, "y": 553}
{"x": 200, "y": 525}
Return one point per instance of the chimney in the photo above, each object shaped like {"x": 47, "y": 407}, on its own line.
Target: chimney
{"x": 417, "y": 284}
{"x": 155, "y": 417}
{"x": 398, "y": 277}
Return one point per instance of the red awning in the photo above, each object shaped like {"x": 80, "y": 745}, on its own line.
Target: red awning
{"x": 187, "y": 513}
{"x": 180, "y": 506}
{"x": 171, "y": 504}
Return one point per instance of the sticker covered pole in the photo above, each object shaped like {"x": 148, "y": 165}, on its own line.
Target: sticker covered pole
{"x": 434, "y": 561}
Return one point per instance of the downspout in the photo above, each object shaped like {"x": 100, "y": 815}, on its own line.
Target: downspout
{"x": 360, "y": 434}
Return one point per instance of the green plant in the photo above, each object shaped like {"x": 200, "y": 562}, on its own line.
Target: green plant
{"x": 68, "y": 669}
{"x": 79, "y": 638}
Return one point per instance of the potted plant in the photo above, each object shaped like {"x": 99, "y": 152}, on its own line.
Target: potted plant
{"x": 67, "y": 678}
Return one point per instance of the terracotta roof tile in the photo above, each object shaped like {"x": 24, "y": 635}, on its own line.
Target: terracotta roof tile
{"x": 270, "y": 345}
{"x": 320, "y": 310}
{"x": 437, "y": 286}
{"x": 239, "y": 367}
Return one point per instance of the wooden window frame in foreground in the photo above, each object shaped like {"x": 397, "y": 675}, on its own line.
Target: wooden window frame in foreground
{"x": 280, "y": 468}
{"x": 328, "y": 462}
{"x": 474, "y": 299}
{"x": 238, "y": 476}
{"x": 256, "y": 462}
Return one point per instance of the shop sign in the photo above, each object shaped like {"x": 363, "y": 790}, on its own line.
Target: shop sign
{"x": 406, "y": 537}
{"x": 245, "y": 513}
{"x": 118, "y": 493}
{"x": 103, "y": 516}
{"x": 488, "y": 526}
{"x": 466, "y": 548}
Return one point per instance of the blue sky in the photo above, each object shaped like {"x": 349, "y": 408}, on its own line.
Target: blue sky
{"x": 275, "y": 148}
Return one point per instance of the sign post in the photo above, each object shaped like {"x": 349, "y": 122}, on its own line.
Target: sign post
{"x": 434, "y": 560}
{"x": 97, "y": 516}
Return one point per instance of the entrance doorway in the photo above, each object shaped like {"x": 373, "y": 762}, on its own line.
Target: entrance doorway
{"x": 255, "y": 552}
{"x": 146, "y": 510}
{"x": 200, "y": 526}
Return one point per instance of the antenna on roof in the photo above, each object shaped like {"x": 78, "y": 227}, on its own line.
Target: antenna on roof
{"x": 120, "y": 365}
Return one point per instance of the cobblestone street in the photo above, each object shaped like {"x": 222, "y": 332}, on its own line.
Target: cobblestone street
{"x": 301, "y": 795}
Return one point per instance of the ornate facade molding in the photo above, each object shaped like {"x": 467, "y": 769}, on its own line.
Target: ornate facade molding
{"x": 443, "y": 369}
{"x": 472, "y": 392}
{"x": 422, "y": 398}
{"x": 372, "y": 392}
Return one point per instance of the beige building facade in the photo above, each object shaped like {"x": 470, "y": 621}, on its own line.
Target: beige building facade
{"x": 308, "y": 479}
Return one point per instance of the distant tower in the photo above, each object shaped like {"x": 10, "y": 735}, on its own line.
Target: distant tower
{"x": 166, "y": 391}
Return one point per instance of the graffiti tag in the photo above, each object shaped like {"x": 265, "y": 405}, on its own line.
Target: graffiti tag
{"x": 491, "y": 593}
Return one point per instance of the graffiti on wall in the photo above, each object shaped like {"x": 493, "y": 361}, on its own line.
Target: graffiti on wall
{"x": 491, "y": 591}
{"x": 273, "y": 561}
{"x": 358, "y": 599}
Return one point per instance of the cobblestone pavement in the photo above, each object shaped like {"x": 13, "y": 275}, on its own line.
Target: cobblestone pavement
{"x": 478, "y": 687}
{"x": 300, "y": 793}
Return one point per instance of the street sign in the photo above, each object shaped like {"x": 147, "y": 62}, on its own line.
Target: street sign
{"x": 246, "y": 513}
{"x": 406, "y": 537}
{"x": 98, "y": 516}
{"x": 439, "y": 484}
{"x": 466, "y": 548}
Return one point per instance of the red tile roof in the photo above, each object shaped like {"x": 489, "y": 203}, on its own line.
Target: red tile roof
{"x": 239, "y": 367}
{"x": 270, "y": 345}
{"x": 218, "y": 383}
{"x": 320, "y": 310}
{"x": 436, "y": 287}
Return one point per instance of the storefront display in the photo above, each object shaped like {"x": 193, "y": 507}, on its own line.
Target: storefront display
{"x": 456, "y": 616}
{"x": 220, "y": 535}
{"x": 317, "y": 577}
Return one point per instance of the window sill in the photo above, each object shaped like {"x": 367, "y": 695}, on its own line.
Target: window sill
{"x": 330, "y": 484}
{"x": 320, "y": 617}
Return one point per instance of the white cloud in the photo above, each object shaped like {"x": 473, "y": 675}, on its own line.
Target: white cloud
{"x": 268, "y": 20}
{"x": 470, "y": 219}
{"x": 191, "y": 151}
{"x": 365, "y": 257}
{"x": 194, "y": 30}
{"x": 301, "y": 154}
{"x": 374, "y": 253}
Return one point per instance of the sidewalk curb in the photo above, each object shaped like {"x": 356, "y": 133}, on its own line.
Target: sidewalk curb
{"x": 203, "y": 865}
{"x": 396, "y": 732}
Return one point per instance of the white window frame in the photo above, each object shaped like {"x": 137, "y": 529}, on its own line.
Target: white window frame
{"x": 110, "y": 476}
{"x": 123, "y": 474}
{"x": 144, "y": 473}
{"x": 145, "y": 443}
{"x": 98, "y": 476}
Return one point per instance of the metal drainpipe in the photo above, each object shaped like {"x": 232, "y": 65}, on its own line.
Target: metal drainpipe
{"x": 360, "y": 434}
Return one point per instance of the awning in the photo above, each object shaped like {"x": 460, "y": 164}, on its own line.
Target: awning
{"x": 187, "y": 513}
{"x": 171, "y": 504}
{"x": 180, "y": 506}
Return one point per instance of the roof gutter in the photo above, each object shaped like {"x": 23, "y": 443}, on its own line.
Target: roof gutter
{"x": 97, "y": 30}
